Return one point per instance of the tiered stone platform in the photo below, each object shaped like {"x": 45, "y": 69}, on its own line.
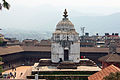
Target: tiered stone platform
{"x": 67, "y": 65}
{"x": 63, "y": 70}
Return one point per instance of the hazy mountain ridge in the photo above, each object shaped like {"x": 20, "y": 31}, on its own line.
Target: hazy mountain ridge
{"x": 93, "y": 24}
{"x": 100, "y": 24}
{"x": 23, "y": 34}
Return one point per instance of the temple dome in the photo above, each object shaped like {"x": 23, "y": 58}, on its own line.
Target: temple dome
{"x": 65, "y": 23}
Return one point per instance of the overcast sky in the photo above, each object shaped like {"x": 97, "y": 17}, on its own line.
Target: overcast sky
{"x": 47, "y": 13}
{"x": 84, "y": 6}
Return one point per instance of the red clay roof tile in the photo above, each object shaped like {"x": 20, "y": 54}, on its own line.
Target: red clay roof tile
{"x": 104, "y": 72}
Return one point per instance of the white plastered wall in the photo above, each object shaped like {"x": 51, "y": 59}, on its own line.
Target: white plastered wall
{"x": 74, "y": 54}
{"x": 56, "y": 52}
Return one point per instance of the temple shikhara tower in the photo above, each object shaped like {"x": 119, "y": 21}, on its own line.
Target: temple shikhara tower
{"x": 65, "y": 42}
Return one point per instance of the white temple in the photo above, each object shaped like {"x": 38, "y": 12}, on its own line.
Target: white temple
{"x": 65, "y": 42}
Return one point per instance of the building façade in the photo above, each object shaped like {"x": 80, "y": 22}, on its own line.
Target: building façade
{"x": 28, "y": 55}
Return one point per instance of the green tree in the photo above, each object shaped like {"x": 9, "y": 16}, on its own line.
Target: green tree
{"x": 112, "y": 76}
{"x": 4, "y": 4}
{"x": 1, "y": 41}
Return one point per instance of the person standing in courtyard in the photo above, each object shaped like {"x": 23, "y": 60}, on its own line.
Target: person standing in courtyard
{"x": 14, "y": 74}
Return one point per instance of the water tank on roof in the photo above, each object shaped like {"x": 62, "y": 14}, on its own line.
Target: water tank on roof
{"x": 96, "y": 34}
{"x": 86, "y": 34}
{"x": 106, "y": 34}
{"x": 112, "y": 33}
{"x": 116, "y": 34}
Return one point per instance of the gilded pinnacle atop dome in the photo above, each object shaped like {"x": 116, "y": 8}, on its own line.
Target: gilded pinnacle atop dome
{"x": 65, "y": 14}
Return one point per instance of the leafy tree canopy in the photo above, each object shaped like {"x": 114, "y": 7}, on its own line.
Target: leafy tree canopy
{"x": 112, "y": 76}
{"x": 1, "y": 40}
{"x": 4, "y": 4}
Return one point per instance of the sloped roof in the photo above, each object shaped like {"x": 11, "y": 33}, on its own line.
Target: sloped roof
{"x": 96, "y": 49}
{"x": 104, "y": 72}
{"x": 93, "y": 49}
{"x": 110, "y": 58}
{"x": 45, "y": 42}
{"x": 10, "y": 49}
{"x": 36, "y": 48}
{"x": 82, "y": 49}
{"x": 15, "y": 49}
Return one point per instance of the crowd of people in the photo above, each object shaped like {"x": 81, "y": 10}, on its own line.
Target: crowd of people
{"x": 12, "y": 74}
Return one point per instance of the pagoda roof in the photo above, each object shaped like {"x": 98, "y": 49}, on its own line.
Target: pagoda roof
{"x": 104, "y": 72}
{"x": 110, "y": 58}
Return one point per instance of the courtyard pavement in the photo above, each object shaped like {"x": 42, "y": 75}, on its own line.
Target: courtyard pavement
{"x": 21, "y": 72}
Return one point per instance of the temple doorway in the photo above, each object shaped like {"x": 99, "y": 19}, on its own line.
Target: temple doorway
{"x": 66, "y": 55}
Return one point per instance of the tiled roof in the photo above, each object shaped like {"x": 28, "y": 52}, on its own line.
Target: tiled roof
{"x": 104, "y": 72}
{"x": 45, "y": 42}
{"x": 110, "y": 58}
{"x": 10, "y": 49}
{"x": 36, "y": 48}
{"x": 48, "y": 48}
{"x": 14, "y": 49}
{"x": 93, "y": 49}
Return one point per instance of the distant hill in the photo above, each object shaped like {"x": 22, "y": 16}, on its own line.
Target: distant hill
{"x": 100, "y": 24}
{"x": 44, "y": 28}
{"x": 23, "y": 34}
